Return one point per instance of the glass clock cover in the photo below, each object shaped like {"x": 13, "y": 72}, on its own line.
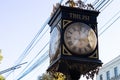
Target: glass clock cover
{"x": 54, "y": 42}
{"x": 80, "y": 38}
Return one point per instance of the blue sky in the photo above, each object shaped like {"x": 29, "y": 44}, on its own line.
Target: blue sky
{"x": 20, "y": 20}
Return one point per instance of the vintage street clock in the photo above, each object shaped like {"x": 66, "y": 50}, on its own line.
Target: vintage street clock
{"x": 74, "y": 41}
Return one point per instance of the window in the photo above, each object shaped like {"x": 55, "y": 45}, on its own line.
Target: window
{"x": 101, "y": 77}
{"x": 116, "y": 71}
{"x": 108, "y": 75}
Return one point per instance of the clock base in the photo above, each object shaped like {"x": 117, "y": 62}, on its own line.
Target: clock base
{"x": 79, "y": 66}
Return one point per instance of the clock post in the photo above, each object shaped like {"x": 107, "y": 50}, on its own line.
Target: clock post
{"x": 74, "y": 41}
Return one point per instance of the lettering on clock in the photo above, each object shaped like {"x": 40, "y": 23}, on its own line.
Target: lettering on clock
{"x": 78, "y": 16}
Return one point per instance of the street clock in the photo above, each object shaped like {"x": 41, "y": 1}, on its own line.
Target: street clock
{"x": 74, "y": 40}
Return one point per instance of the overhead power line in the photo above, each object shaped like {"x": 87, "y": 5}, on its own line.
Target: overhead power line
{"x": 101, "y": 4}
{"x": 31, "y": 45}
{"x": 35, "y": 58}
{"x": 35, "y": 64}
{"x": 109, "y": 20}
{"x": 109, "y": 26}
{"x": 26, "y": 51}
{"x": 105, "y": 6}
{"x": 95, "y": 2}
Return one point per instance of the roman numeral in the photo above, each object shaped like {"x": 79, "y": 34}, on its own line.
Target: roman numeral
{"x": 70, "y": 43}
{"x": 88, "y": 48}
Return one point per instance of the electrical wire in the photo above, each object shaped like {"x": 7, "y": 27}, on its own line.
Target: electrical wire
{"x": 25, "y": 53}
{"x": 95, "y": 2}
{"x": 34, "y": 58}
{"x": 100, "y": 3}
{"x": 109, "y": 26}
{"x": 109, "y": 20}
{"x": 106, "y": 6}
{"x": 103, "y": 5}
{"x": 36, "y": 64}
{"x": 31, "y": 47}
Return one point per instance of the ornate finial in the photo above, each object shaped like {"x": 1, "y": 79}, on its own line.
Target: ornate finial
{"x": 90, "y": 7}
{"x": 81, "y": 4}
{"x": 71, "y": 3}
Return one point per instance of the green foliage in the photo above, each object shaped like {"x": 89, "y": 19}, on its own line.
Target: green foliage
{"x": 55, "y": 76}
{"x": 1, "y": 77}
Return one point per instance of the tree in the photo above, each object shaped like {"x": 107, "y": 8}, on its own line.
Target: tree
{"x": 55, "y": 76}
{"x": 1, "y": 57}
{"x": 1, "y": 77}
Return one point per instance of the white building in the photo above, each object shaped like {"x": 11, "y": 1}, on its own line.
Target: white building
{"x": 110, "y": 71}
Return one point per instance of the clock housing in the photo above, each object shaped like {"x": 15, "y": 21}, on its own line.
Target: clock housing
{"x": 76, "y": 32}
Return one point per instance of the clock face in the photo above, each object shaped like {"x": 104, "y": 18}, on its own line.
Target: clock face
{"x": 54, "y": 41}
{"x": 80, "y": 39}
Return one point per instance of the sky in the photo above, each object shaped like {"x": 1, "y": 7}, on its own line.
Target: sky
{"x": 20, "y": 20}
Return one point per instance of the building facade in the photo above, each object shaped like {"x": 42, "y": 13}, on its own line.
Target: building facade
{"x": 110, "y": 71}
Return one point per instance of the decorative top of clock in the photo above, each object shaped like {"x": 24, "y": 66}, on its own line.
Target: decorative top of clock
{"x": 79, "y": 4}
{"x": 71, "y": 3}
{"x": 75, "y": 4}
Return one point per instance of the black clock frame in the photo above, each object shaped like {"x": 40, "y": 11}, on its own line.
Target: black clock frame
{"x": 81, "y": 64}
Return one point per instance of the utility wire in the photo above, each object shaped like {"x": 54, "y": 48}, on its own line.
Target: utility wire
{"x": 109, "y": 26}
{"x": 36, "y": 64}
{"x": 34, "y": 58}
{"x": 109, "y": 20}
{"x": 95, "y": 2}
{"x": 34, "y": 42}
{"x": 41, "y": 30}
{"x": 25, "y": 53}
{"x": 103, "y": 5}
{"x": 101, "y": 2}
{"x": 106, "y": 6}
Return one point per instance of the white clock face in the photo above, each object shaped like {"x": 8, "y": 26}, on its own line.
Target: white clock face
{"x": 54, "y": 41}
{"x": 80, "y": 39}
